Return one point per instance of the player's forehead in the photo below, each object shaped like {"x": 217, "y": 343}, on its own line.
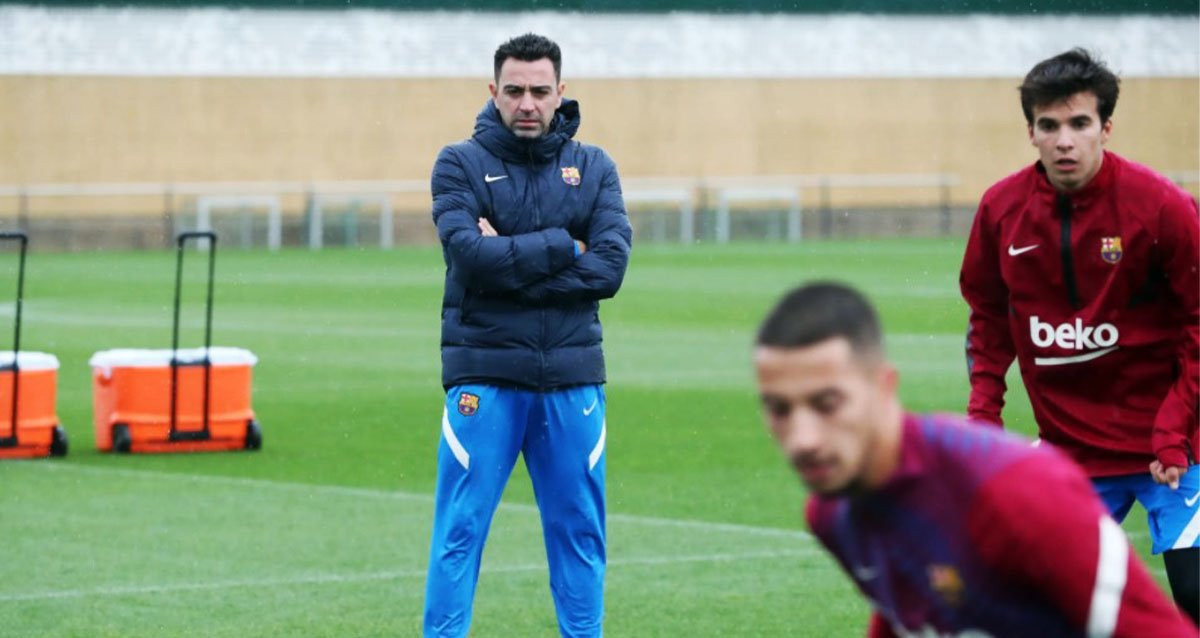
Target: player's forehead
{"x": 1082, "y": 104}
{"x": 527, "y": 74}
{"x": 795, "y": 373}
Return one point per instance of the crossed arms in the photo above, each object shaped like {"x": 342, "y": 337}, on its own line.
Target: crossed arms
{"x": 539, "y": 267}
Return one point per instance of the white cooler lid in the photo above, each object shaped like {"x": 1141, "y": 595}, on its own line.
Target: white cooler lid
{"x": 29, "y": 360}
{"x": 147, "y": 358}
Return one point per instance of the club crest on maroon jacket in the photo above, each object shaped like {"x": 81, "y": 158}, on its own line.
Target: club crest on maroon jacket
{"x": 1110, "y": 249}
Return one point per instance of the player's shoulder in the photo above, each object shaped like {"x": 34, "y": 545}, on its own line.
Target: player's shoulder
{"x": 1029, "y": 469}
{"x": 969, "y": 451}
{"x": 467, "y": 157}
{"x": 1011, "y": 191}
{"x": 457, "y": 152}
{"x": 958, "y": 433}
{"x": 1140, "y": 183}
{"x": 1017, "y": 182}
{"x": 1035, "y": 486}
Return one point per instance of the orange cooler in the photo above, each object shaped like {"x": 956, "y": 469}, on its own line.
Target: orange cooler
{"x": 131, "y": 399}
{"x": 37, "y": 432}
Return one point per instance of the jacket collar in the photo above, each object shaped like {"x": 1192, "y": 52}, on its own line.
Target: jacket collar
{"x": 491, "y": 133}
{"x": 1099, "y": 183}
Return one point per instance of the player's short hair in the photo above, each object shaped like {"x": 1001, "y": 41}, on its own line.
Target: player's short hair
{"x": 530, "y": 48}
{"x": 1066, "y": 74}
{"x": 819, "y": 311}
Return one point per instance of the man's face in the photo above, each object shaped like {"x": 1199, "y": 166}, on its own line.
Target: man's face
{"x": 823, "y": 405}
{"x": 527, "y": 95}
{"x": 1070, "y": 140}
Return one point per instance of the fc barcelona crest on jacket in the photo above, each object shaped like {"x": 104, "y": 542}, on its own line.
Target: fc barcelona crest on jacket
{"x": 1110, "y": 249}
{"x": 468, "y": 404}
{"x": 571, "y": 176}
{"x": 945, "y": 581}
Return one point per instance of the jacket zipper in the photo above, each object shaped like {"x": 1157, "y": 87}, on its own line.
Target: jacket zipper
{"x": 537, "y": 224}
{"x": 1068, "y": 263}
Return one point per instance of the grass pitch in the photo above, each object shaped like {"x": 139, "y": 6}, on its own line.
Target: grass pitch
{"x": 325, "y": 531}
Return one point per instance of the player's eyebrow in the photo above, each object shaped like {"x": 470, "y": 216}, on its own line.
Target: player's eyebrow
{"x": 768, "y": 399}
{"x": 531, "y": 87}
{"x": 824, "y": 394}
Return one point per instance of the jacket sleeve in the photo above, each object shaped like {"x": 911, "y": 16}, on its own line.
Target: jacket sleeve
{"x": 1039, "y": 526}
{"x": 489, "y": 264}
{"x": 1174, "y": 434}
{"x": 598, "y": 273}
{"x": 990, "y": 349}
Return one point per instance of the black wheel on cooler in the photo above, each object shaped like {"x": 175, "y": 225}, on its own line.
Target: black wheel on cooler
{"x": 253, "y": 435}
{"x": 121, "y": 440}
{"x": 58, "y": 441}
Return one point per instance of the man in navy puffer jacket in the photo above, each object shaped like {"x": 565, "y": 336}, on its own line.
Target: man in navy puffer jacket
{"x": 534, "y": 234}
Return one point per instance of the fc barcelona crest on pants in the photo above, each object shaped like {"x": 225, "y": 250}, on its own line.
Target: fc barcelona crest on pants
{"x": 468, "y": 404}
{"x": 1110, "y": 249}
{"x": 571, "y": 175}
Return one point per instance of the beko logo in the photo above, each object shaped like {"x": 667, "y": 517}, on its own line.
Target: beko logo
{"x": 1099, "y": 340}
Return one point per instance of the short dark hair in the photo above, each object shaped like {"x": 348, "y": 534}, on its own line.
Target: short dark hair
{"x": 530, "y": 48}
{"x": 820, "y": 311}
{"x": 1066, "y": 74}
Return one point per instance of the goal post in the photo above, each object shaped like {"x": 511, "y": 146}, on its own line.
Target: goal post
{"x": 320, "y": 203}
{"x": 244, "y": 206}
{"x": 727, "y": 196}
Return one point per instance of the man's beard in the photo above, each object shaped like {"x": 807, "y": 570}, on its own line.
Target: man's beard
{"x": 528, "y": 133}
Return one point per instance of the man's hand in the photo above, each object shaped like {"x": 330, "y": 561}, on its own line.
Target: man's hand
{"x": 486, "y": 229}
{"x": 1169, "y": 475}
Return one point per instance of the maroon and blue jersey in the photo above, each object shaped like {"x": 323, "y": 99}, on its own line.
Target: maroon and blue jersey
{"x": 977, "y": 531}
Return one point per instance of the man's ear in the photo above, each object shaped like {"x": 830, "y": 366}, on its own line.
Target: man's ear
{"x": 889, "y": 378}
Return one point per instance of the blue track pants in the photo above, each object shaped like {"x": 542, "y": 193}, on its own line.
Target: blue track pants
{"x": 561, "y": 435}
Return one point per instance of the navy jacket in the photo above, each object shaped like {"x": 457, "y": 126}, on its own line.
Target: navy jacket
{"x": 522, "y": 309}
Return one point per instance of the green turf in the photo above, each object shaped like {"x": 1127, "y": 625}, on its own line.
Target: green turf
{"x": 325, "y": 532}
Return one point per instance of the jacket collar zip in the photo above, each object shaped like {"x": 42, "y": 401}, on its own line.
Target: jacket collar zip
{"x": 1099, "y": 183}
{"x": 494, "y": 136}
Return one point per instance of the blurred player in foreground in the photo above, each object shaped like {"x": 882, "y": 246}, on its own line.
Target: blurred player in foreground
{"x": 948, "y": 528}
{"x": 1083, "y": 267}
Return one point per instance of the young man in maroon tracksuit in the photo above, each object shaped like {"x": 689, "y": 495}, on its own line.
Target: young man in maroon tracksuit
{"x": 1083, "y": 267}
{"x": 948, "y": 528}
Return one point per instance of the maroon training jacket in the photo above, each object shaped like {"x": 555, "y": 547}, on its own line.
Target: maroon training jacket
{"x": 1096, "y": 294}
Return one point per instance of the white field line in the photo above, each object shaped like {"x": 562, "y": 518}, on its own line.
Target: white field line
{"x": 365, "y": 492}
{"x": 360, "y": 577}
{"x": 362, "y": 492}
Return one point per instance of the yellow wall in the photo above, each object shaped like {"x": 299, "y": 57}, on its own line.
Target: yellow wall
{"x": 101, "y": 129}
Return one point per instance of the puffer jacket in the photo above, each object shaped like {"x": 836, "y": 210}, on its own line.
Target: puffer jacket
{"x": 522, "y": 309}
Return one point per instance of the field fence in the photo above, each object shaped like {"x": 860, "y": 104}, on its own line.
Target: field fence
{"x": 383, "y": 214}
